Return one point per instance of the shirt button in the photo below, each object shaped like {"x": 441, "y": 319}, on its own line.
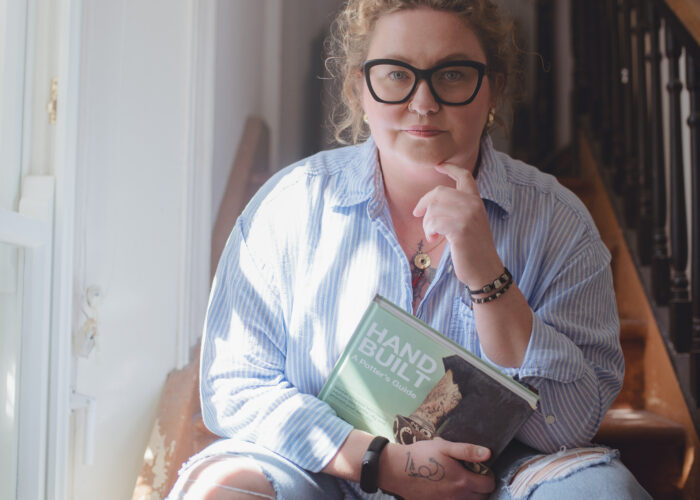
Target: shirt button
{"x": 550, "y": 419}
{"x": 449, "y": 269}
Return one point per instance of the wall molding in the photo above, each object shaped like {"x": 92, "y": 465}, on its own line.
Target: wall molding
{"x": 196, "y": 207}
{"x": 69, "y": 29}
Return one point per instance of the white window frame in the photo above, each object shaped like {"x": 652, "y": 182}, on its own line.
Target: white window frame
{"x": 43, "y": 229}
{"x": 31, "y": 229}
{"x": 69, "y": 30}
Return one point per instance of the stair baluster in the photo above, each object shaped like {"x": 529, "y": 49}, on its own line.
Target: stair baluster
{"x": 629, "y": 189}
{"x": 618, "y": 99}
{"x": 660, "y": 261}
{"x": 692, "y": 72}
{"x": 605, "y": 62}
{"x": 644, "y": 225}
{"x": 680, "y": 313}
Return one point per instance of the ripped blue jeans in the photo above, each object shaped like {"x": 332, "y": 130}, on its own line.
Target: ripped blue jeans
{"x": 578, "y": 473}
{"x": 521, "y": 472}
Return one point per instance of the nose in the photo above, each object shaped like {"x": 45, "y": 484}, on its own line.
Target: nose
{"x": 423, "y": 101}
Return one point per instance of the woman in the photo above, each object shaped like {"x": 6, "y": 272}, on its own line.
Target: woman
{"x": 426, "y": 213}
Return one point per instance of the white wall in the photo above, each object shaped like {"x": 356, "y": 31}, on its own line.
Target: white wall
{"x": 242, "y": 49}
{"x": 132, "y": 188}
{"x": 257, "y": 44}
{"x": 131, "y": 166}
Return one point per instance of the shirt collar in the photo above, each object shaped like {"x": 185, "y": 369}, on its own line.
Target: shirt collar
{"x": 492, "y": 179}
{"x": 362, "y": 179}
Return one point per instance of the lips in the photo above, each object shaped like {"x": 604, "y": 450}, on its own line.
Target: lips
{"x": 423, "y": 131}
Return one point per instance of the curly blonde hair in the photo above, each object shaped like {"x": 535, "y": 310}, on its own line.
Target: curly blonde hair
{"x": 352, "y": 29}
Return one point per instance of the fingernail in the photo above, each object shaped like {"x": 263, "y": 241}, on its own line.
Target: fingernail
{"x": 481, "y": 451}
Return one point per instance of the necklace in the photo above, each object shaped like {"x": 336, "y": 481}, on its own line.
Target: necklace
{"x": 422, "y": 260}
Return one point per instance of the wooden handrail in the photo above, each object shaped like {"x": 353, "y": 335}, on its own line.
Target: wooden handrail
{"x": 688, "y": 13}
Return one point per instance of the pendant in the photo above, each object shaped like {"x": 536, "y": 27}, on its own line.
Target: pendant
{"x": 422, "y": 260}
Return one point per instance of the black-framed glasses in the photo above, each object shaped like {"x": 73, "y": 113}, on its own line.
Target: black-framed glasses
{"x": 454, "y": 83}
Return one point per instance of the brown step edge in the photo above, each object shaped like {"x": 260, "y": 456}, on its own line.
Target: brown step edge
{"x": 662, "y": 396}
{"x": 172, "y": 439}
{"x": 624, "y": 425}
{"x": 651, "y": 446}
{"x": 633, "y": 335}
{"x": 201, "y": 435}
{"x": 633, "y": 329}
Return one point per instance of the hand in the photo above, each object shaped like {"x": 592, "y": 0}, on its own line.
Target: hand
{"x": 432, "y": 469}
{"x": 460, "y": 215}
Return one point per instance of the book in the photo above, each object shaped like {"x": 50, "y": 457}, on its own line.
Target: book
{"x": 401, "y": 379}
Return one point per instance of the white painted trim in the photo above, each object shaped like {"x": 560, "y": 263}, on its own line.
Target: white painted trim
{"x": 37, "y": 202}
{"x": 272, "y": 83}
{"x": 27, "y": 115}
{"x": 20, "y": 230}
{"x": 13, "y": 45}
{"x": 69, "y": 29}
{"x": 196, "y": 207}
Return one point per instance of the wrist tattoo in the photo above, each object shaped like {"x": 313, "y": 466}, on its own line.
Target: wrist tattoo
{"x": 433, "y": 471}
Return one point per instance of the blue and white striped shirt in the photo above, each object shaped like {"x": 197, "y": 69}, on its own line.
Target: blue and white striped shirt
{"x": 314, "y": 246}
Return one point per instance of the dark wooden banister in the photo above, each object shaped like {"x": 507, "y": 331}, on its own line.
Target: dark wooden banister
{"x": 651, "y": 182}
{"x": 688, "y": 13}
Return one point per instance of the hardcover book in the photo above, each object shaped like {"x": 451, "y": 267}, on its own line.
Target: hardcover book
{"x": 401, "y": 379}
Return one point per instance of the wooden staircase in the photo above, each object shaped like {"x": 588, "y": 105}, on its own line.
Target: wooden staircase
{"x": 649, "y": 422}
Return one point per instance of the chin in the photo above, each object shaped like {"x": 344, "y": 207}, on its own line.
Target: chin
{"x": 427, "y": 156}
{"x": 429, "y": 151}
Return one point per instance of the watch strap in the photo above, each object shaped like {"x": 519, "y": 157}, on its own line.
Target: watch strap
{"x": 369, "y": 474}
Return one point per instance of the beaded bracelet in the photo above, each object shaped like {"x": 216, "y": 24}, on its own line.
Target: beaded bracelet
{"x": 496, "y": 284}
{"x": 493, "y": 296}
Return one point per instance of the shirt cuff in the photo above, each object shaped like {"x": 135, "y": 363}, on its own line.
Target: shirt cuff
{"x": 550, "y": 354}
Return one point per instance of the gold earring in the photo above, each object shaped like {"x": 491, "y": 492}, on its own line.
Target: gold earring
{"x": 491, "y": 118}
{"x": 365, "y": 119}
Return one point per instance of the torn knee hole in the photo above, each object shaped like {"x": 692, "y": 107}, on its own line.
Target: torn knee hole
{"x": 542, "y": 468}
{"x": 232, "y": 474}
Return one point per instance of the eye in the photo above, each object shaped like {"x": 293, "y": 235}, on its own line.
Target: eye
{"x": 397, "y": 75}
{"x": 452, "y": 75}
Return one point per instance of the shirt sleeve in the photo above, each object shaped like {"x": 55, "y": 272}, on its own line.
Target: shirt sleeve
{"x": 574, "y": 359}
{"x": 244, "y": 390}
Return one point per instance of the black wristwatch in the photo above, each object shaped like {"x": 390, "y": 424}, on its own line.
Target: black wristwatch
{"x": 370, "y": 465}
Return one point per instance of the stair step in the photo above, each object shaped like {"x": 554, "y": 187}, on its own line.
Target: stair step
{"x": 651, "y": 446}
{"x": 633, "y": 335}
{"x": 633, "y": 329}
{"x": 201, "y": 435}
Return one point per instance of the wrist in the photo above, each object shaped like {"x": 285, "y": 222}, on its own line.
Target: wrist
{"x": 393, "y": 454}
{"x": 371, "y": 466}
{"x": 482, "y": 274}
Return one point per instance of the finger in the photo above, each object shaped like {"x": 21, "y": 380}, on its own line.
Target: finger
{"x": 464, "y": 452}
{"x": 462, "y": 177}
{"x": 422, "y": 206}
{"x": 482, "y": 484}
{"x": 468, "y": 452}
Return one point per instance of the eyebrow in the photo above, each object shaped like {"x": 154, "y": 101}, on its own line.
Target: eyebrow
{"x": 456, "y": 56}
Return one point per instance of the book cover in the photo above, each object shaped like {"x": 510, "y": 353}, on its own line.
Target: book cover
{"x": 401, "y": 379}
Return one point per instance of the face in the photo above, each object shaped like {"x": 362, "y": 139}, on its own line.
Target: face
{"x": 421, "y": 132}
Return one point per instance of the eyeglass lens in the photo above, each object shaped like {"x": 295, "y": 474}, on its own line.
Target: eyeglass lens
{"x": 453, "y": 84}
